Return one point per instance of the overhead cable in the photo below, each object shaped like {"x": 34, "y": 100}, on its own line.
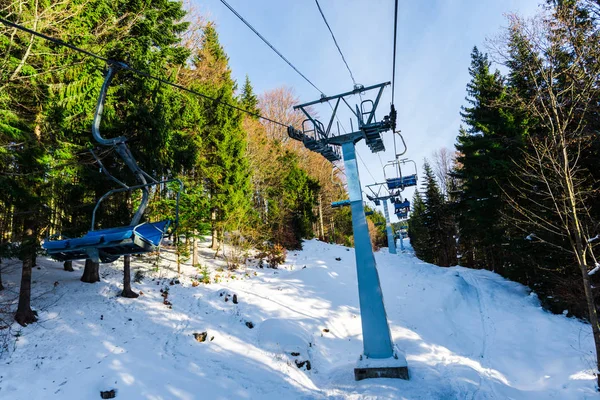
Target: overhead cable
{"x": 394, "y": 54}
{"x": 135, "y": 71}
{"x": 335, "y": 41}
{"x": 365, "y": 165}
{"x": 270, "y": 45}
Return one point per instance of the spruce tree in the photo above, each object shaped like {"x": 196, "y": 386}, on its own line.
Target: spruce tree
{"x": 418, "y": 234}
{"x": 438, "y": 221}
{"x": 225, "y": 168}
{"x": 488, "y": 148}
{"x": 248, "y": 100}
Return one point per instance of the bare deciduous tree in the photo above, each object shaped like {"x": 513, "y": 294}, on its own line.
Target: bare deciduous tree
{"x": 443, "y": 161}
{"x": 278, "y": 104}
{"x": 553, "y": 187}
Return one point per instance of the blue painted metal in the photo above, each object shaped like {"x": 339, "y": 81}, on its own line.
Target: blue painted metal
{"x": 315, "y": 140}
{"x": 120, "y": 144}
{"x": 341, "y": 203}
{"x": 402, "y": 182}
{"x": 388, "y": 228}
{"x": 401, "y": 214}
{"x": 131, "y": 188}
{"x": 377, "y": 341}
{"x": 368, "y": 127}
{"x": 107, "y": 245}
{"x": 377, "y": 197}
{"x": 401, "y": 208}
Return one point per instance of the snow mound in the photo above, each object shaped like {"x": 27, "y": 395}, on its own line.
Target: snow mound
{"x": 284, "y": 336}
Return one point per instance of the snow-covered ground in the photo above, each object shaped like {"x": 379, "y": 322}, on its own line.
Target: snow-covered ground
{"x": 466, "y": 334}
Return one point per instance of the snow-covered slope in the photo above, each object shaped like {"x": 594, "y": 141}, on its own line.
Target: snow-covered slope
{"x": 466, "y": 335}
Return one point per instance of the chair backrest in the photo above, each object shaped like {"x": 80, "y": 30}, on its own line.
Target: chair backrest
{"x": 152, "y": 231}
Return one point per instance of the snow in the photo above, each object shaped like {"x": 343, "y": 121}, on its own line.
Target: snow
{"x": 595, "y": 269}
{"x": 397, "y": 360}
{"x": 466, "y": 334}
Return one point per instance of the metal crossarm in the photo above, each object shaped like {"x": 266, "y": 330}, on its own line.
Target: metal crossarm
{"x": 321, "y": 140}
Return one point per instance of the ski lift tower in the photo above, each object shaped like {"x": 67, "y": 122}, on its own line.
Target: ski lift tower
{"x": 379, "y": 195}
{"x": 380, "y": 358}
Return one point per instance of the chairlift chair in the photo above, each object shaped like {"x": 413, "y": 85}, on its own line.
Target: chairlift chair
{"x": 374, "y": 199}
{"x": 295, "y": 133}
{"x": 331, "y": 153}
{"x": 314, "y": 138}
{"x": 401, "y": 214}
{"x": 401, "y": 208}
{"x": 311, "y": 137}
{"x": 370, "y": 126}
{"x": 107, "y": 245}
{"x": 398, "y": 180}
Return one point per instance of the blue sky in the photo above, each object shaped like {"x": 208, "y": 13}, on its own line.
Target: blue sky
{"x": 435, "y": 39}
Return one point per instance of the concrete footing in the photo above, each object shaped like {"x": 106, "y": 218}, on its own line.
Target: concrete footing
{"x": 393, "y": 367}
{"x": 381, "y": 372}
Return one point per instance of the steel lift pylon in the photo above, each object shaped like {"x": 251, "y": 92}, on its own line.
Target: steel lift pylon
{"x": 380, "y": 358}
{"x": 379, "y": 195}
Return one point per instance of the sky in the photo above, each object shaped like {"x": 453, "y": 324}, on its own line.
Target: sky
{"x": 434, "y": 42}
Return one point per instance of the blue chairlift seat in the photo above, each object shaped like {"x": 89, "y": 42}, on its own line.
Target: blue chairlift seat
{"x": 403, "y": 213}
{"x": 402, "y": 182}
{"x": 109, "y": 244}
{"x": 400, "y": 205}
{"x": 401, "y": 208}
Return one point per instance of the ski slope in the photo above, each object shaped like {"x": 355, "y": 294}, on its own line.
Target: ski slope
{"x": 466, "y": 334}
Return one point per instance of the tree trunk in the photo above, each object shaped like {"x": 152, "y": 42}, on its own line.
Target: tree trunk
{"x": 322, "y": 234}
{"x": 195, "y": 251}
{"x": 127, "y": 292}
{"x": 213, "y": 231}
{"x": 91, "y": 272}
{"x": 1, "y": 286}
{"x": 215, "y": 242}
{"x": 593, "y": 315}
{"x": 68, "y": 266}
{"x": 25, "y": 315}
{"x": 580, "y": 254}
{"x": 178, "y": 253}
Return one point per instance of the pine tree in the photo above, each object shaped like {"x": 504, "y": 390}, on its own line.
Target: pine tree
{"x": 438, "y": 221}
{"x": 248, "y": 100}
{"x": 225, "y": 166}
{"x": 488, "y": 149}
{"x": 418, "y": 234}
